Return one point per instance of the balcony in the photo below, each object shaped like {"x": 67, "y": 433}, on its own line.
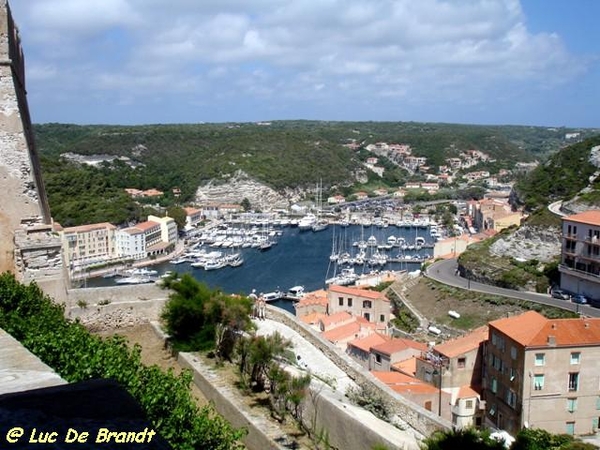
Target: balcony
{"x": 590, "y": 276}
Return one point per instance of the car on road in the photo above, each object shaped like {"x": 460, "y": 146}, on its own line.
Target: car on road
{"x": 560, "y": 294}
{"x": 579, "y": 298}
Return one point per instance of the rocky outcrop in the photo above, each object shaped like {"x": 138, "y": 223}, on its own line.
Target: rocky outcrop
{"x": 527, "y": 243}
{"x": 234, "y": 188}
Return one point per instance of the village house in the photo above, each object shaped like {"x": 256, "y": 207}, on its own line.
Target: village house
{"x": 360, "y": 349}
{"x": 385, "y": 354}
{"x": 344, "y": 330}
{"x": 311, "y": 303}
{"x": 336, "y": 199}
{"x": 361, "y": 195}
{"x": 417, "y": 391}
{"x": 456, "y": 367}
{"x": 372, "y": 305}
{"x": 88, "y": 244}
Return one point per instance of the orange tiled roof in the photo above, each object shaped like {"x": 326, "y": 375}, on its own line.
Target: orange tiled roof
{"x": 189, "y": 210}
{"x": 402, "y": 383}
{"x": 343, "y": 332}
{"x": 522, "y": 328}
{"x": 467, "y": 392}
{"x": 146, "y": 225}
{"x": 365, "y": 293}
{"x": 407, "y": 366}
{"x": 534, "y": 330}
{"x": 312, "y": 318}
{"x": 341, "y": 316}
{"x": 366, "y": 343}
{"x": 591, "y": 217}
{"x": 90, "y": 227}
{"x": 398, "y": 345}
{"x": 463, "y": 344}
{"x": 313, "y": 298}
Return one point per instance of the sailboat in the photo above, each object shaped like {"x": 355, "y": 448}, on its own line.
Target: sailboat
{"x": 320, "y": 224}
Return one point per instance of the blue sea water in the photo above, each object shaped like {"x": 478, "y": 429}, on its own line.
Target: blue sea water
{"x": 299, "y": 258}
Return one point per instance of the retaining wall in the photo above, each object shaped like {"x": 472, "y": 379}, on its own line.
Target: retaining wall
{"x": 116, "y": 306}
{"x": 425, "y": 422}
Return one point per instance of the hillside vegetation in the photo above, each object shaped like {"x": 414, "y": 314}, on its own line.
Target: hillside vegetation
{"x": 283, "y": 155}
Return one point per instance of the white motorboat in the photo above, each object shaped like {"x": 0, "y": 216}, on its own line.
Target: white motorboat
{"x": 306, "y": 223}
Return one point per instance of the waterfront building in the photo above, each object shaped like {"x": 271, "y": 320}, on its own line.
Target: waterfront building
{"x": 371, "y": 305}
{"x": 156, "y": 236}
{"x": 580, "y": 258}
{"x": 311, "y": 303}
{"x": 193, "y": 216}
{"x": 543, "y": 373}
{"x": 85, "y": 245}
{"x": 494, "y": 214}
{"x": 346, "y": 330}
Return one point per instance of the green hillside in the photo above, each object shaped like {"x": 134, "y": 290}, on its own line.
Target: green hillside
{"x": 561, "y": 177}
{"x": 282, "y": 155}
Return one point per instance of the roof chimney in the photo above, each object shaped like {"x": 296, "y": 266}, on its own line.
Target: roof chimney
{"x": 552, "y": 340}
{"x": 554, "y": 326}
{"x": 586, "y": 324}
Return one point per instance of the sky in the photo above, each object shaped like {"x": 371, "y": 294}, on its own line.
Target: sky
{"x": 529, "y": 62}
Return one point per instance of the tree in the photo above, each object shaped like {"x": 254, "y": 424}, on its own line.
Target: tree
{"x": 178, "y": 214}
{"x": 246, "y": 206}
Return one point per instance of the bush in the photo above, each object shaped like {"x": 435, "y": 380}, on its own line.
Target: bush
{"x": 76, "y": 355}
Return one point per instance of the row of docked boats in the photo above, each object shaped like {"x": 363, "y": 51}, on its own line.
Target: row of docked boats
{"x": 210, "y": 260}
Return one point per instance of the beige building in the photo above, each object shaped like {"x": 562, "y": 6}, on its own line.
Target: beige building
{"x": 86, "y": 245}
{"x": 455, "y": 366}
{"x": 384, "y": 355}
{"x": 543, "y": 373}
{"x": 371, "y": 305}
{"x": 580, "y": 261}
{"x": 494, "y": 214}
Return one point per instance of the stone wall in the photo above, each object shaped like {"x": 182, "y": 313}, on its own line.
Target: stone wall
{"x": 423, "y": 421}
{"x": 117, "y": 306}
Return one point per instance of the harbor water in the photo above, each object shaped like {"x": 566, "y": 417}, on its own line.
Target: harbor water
{"x": 299, "y": 258}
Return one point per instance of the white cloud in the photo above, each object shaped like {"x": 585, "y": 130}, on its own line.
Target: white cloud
{"x": 426, "y": 50}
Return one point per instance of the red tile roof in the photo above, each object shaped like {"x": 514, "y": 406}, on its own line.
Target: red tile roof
{"x": 408, "y": 366}
{"x": 90, "y": 227}
{"x": 146, "y": 225}
{"x": 313, "y": 298}
{"x": 591, "y": 217}
{"x": 398, "y": 345}
{"x": 531, "y": 329}
{"x": 366, "y": 343}
{"x": 338, "y": 317}
{"x": 467, "y": 392}
{"x": 463, "y": 344}
{"x": 402, "y": 383}
{"x": 365, "y": 293}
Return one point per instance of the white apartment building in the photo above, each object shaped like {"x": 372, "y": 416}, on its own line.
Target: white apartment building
{"x": 580, "y": 260}
{"x": 155, "y": 236}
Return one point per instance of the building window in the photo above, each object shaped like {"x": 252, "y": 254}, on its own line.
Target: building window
{"x": 538, "y": 382}
{"x": 367, "y": 316}
{"x": 367, "y": 304}
{"x": 350, "y": 302}
{"x": 428, "y": 405}
{"x": 571, "y": 405}
{"x": 598, "y": 403}
{"x": 341, "y": 301}
{"x": 513, "y": 374}
{"x": 377, "y": 358}
{"x": 570, "y": 428}
{"x": 513, "y": 352}
{"x": 575, "y": 357}
{"x": 382, "y": 317}
{"x": 595, "y": 424}
{"x": 461, "y": 363}
{"x": 469, "y": 404}
{"x": 573, "y": 381}
{"x": 511, "y": 398}
{"x": 494, "y": 385}
{"x": 540, "y": 359}
{"x": 493, "y": 410}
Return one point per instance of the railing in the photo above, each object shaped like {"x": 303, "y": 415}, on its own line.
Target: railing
{"x": 583, "y": 272}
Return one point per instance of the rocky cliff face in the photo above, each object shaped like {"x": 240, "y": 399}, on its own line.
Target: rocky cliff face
{"x": 530, "y": 242}
{"x": 234, "y": 188}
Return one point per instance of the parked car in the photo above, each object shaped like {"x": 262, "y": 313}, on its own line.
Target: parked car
{"x": 579, "y": 298}
{"x": 560, "y": 294}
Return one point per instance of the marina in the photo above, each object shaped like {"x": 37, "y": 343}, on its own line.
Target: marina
{"x": 299, "y": 259}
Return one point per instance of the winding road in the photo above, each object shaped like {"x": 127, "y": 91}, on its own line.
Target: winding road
{"x": 445, "y": 272}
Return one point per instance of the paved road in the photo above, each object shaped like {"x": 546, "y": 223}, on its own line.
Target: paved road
{"x": 444, "y": 272}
